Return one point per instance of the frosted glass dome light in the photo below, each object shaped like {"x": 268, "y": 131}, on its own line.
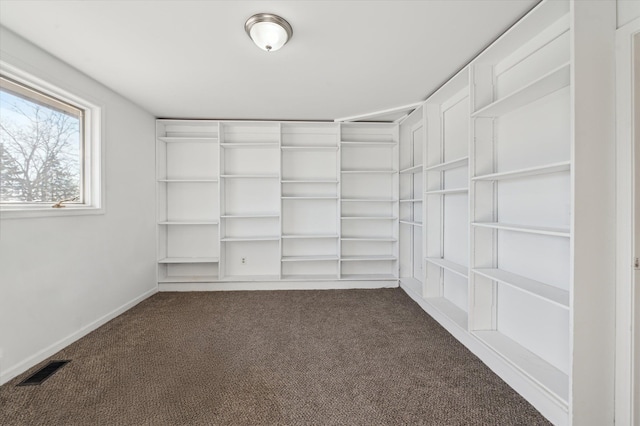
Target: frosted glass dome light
{"x": 269, "y": 32}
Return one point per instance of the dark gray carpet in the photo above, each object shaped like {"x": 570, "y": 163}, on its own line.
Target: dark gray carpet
{"x": 352, "y": 357}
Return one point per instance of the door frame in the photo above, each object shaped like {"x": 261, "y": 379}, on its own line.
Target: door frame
{"x": 627, "y": 406}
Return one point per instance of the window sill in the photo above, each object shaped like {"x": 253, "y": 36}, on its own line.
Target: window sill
{"x": 48, "y": 211}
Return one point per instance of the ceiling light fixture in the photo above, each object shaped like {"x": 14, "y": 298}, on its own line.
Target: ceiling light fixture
{"x": 268, "y": 31}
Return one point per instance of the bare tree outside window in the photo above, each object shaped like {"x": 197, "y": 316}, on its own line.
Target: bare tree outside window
{"x": 40, "y": 148}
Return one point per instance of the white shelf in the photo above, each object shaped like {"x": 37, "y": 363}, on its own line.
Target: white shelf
{"x": 251, "y": 176}
{"x": 250, "y": 145}
{"x": 237, "y": 278}
{"x": 412, "y": 170}
{"x": 448, "y": 191}
{"x": 367, "y": 258}
{"x": 531, "y": 171}
{"x": 368, "y": 218}
{"x": 311, "y": 197}
{"x": 182, "y": 139}
{"x": 407, "y": 222}
{"x": 535, "y": 367}
{"x": 188, "y": 180}
{"x": 368, "y": 200}
{"x": 311, "y": 181}
{"x": 308, "y": 258}
{"x": 250, "y": 216}
{"x": 463, "y": 271}
{"x": 453, "y": 164}
{"x": 192, "y": 222}
{"x": 309, "y": 277}
{"x": 189, "y": 260}
{"x": 450, "y": 310}
{"x": 356, "y": 144}
{"x": 545, "y": 85}
{"x": 189, "y": 279}
{"x": 372, "y": 239}
{"x": 368, "y": 277}
{"x": 308, "y": 236}
{"x": 413, "y": 200}
{"x": 544, "y": 291}
{"x": 235, "y": 239}
{"x": 310, "y": 148}
{"x": 556, "y": 232}
{"x": 369, "y": 172}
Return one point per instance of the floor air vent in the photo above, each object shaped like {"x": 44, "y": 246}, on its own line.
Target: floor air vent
{"x": 43, "y": 374}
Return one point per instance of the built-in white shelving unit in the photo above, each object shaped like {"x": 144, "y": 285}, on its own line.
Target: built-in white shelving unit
{"x": 188, "y": 208}
{"x": 521, "y": 200}
{"x": 369, "y": 208}
{"x": 263, "y": 201}
{"x": 249, "y": 199}
{"x": 310, "y": 200}
{"x": 446, "y": 193}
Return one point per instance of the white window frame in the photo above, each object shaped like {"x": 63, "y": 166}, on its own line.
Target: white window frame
{"x": 93, "y": 181}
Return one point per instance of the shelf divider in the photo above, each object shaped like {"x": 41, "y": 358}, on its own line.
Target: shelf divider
{"x": 544, "y": 291}
{"x": 367, "y": 258}
{"x": 412, "y": 170}
{"x": 530, "y": 171}
{"x": 447, "y": 191}
{"x": 543, "y": 86}
{"x": 556, "y": 232}
{"x": 463, "y": 271}
{"x": 453, "y": 164}
{"x": 183, "y": 139}
{"x": 189, "y": 260}
{"x": 319, "y": 258}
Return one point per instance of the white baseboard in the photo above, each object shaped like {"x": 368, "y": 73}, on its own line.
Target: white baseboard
{"x": 277, "y": 285}
{"x": 555, "y": 411}
{"x": 45, "y": 353}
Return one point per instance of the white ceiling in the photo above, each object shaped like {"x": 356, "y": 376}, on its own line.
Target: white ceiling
{"x": 192, "y": 59}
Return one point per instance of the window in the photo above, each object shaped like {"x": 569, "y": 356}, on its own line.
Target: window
{"x": 48, "y": 150}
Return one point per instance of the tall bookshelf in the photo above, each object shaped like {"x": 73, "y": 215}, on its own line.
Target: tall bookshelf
{"x": 517, "y": 214}
{"x": 369, "y": 201}
{"x": 249, "y": 199}
{"x": 522, "y": 200}
{"x": 447, "y": 200}
{"x": 187, "y": 195}
{"x": 310, "y": 201}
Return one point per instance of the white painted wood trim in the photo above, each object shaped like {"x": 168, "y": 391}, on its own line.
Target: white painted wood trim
{"x": 40, "y": 356}
{"x": 278, "y": 285}
{"x": 383, "y": 112}
{"x": 625, "y": 414}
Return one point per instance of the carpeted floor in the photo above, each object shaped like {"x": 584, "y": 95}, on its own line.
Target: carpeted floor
{"x": 352, "y": 357}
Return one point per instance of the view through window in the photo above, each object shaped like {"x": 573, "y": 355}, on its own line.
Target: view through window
{"x": 41, "y": 147}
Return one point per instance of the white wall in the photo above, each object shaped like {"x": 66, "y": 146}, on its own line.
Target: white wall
{"x": 61, "y": 277}
{"x": 628, "y": 10}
